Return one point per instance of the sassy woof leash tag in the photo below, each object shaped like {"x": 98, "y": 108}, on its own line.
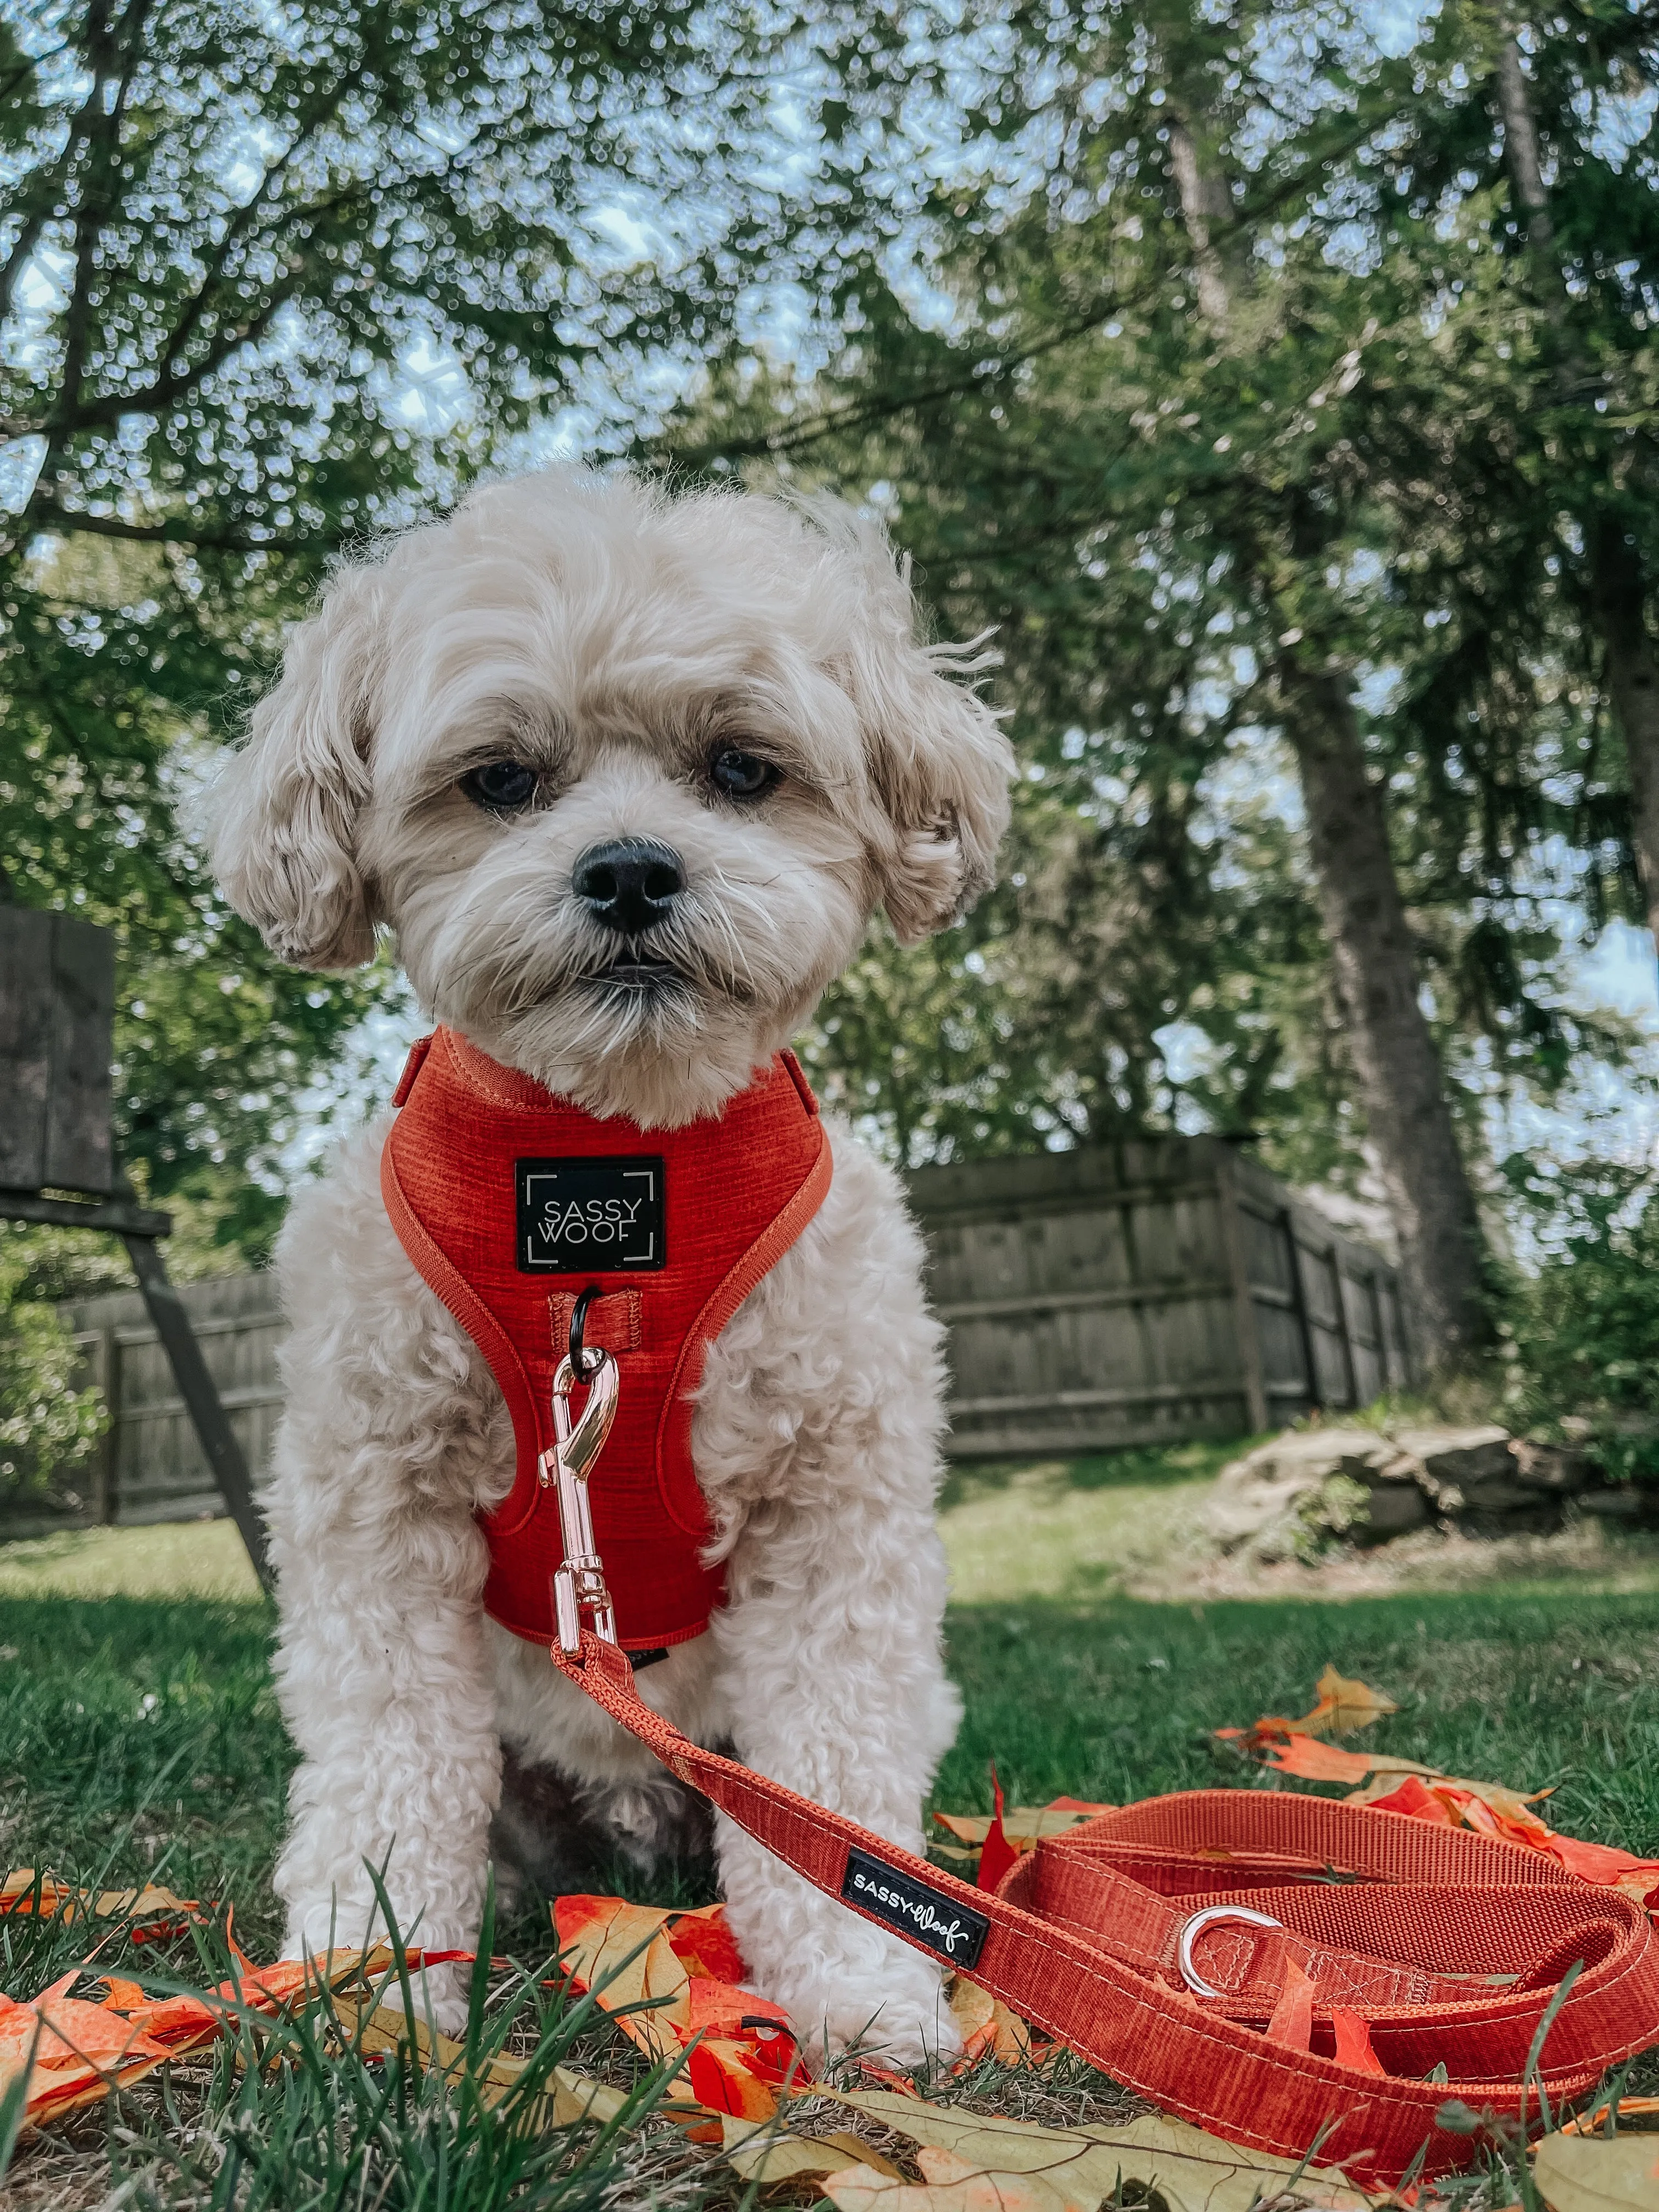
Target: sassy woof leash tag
{"x": 579, "y": 1584}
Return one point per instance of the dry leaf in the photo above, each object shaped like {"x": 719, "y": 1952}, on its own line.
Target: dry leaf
{"x": 170, "y": 1914}
{"x": 1310, "y": 1760}
{"x": 1023, "y": 1825}
{"x": 987, "y": 2028}
{"x": 1588, "y": 2173}
{"x": 952, "y": 2184}
{"x": 760, "y": 2151}
{"x": 738, "y": 2047}
{"x": 1343, "y": 1706}
{"x": 571, "y": 2097}
{"x": 1193, "y": 2172}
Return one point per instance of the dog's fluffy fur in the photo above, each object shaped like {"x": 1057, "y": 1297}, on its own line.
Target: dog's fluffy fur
{"x": 613, "y": 640}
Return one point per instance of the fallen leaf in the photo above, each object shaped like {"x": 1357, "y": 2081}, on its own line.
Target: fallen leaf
{"x": 996, "y": 1853}
{"x": 1592, "y": 2122}
{"x": 761, "y": 2152}
{"x": 1588, "y": 2173}
{"x": 22, "y": 1891}
{"x": 1340, "y": 1707}
{"x": 1343, "y": 1706}
{"x": 988, "y": 2028}
{"x": 738, "y": 2048}
{"x": 1023, "y": 1825}
{"x": 621, "y": 1952}
{"x": 703, "y": 1944}
{"x": 952, "y": 2184}
{"x": 1310, "y": 1760}
{"x": 1193, "y": 2172}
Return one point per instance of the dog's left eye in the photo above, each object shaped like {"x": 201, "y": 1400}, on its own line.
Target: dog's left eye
{"x": 741, "y": 776}
{"x": 503, "y": 786}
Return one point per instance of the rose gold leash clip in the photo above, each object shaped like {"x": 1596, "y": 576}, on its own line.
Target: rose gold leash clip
{"x": 579, "y": 1585}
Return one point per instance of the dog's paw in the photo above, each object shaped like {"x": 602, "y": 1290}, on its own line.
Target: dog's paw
{"x": 903, "y": 2028}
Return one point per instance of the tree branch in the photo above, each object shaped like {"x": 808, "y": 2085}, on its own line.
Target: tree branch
{"x": 860, "y": 414}
{"x": 211, "y": 537}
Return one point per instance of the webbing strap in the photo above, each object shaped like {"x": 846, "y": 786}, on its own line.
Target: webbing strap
{"x": 1447, "y": 1945}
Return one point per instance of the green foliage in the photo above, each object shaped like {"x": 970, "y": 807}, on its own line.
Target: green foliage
{"x": 272, "y": 282}
{"x": 1178, "y": 521}
{"x": 1583, "y": 1333}
{"x": 46, "y": 1426}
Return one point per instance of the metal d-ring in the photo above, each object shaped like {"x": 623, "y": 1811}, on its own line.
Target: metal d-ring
{"x": 583, "y": 1365}
{"x": 1195, "y": 1928}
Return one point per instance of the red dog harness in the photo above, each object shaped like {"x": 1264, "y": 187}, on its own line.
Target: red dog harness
{"x": 511, "y": 1201}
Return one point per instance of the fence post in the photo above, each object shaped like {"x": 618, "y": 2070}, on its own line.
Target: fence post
{"x": 104, "y": 1361}
{"x": 1244, "y": 1308}
{"x": 1299, "y": 1307}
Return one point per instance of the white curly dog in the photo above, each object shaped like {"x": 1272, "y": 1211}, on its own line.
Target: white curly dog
{"x": 567, "y": 659}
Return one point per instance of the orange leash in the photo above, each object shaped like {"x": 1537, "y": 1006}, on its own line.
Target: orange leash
{"x": 1160, "y": 1942}
{"x": 1283, "y": 1971}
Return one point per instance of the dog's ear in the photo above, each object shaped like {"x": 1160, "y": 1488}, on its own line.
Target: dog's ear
{"x": 280, "y": 819}
{"x": 943, "y": 766}
{"x": 938, "y": 759}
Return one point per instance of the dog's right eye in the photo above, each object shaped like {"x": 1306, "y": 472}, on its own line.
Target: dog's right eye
{"x": 504, "y": 786}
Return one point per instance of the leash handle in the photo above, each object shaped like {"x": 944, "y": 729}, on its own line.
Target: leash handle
{"x": 1188, "y": 2057}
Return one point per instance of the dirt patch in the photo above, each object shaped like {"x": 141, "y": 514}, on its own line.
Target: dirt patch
{"x": 1585, "y": 1552}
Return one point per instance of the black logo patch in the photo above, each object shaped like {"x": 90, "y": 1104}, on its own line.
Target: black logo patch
{"x": 583, "y": 1217}
{"x": 956, "y": 1931}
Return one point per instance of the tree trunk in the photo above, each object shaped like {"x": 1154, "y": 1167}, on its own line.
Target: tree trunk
{"x": 1374, "y": 963}
{"x": 1618, "y": 589}
{"x": 1617, "y": 596}
{"x": 1393, "y": 1049}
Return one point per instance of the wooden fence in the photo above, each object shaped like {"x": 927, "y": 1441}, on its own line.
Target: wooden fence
{"x": 150, "y": 1465}
{"x": 1145, "y": 1292}
{"x": 1129, "y": 1294}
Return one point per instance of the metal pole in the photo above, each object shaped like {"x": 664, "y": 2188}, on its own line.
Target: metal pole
{"x": 195, "y": 1387}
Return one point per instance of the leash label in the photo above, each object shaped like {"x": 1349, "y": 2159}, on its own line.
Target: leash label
{"x": 582, "y": 1217}
{"x": 956, "y": 1931}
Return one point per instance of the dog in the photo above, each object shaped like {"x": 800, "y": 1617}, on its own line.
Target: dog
{"x": 570, "y": 662}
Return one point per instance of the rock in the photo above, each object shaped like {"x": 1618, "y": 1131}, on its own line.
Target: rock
{"x": 1395, "y": 1510}
{"x": 1549, "y": 1467}
{"x": 1456, "y": 1461}
{"x": 1289, "y": 1497}
{"x": 1611, "y": 1504}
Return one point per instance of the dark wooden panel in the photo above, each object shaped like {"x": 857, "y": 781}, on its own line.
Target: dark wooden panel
{"x": 25, "y": 1046}
{"x": 56, "y": 1009}
{"x": 84, "y": 1016}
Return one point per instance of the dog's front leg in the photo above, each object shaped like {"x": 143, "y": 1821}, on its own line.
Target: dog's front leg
{"x": 390, "y": 1435}
{"x": 831, "y": 1696}
{"x": 817, "y": 1440}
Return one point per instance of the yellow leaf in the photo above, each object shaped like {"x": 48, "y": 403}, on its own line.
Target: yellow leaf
{"x": 1023, "y": 1825}
{"x": 571, "y": 2096}
{"x": 760, "y": 2151}
{"x": 1588, "y": 2173}
{"x": 952, "y": 2184}
{"x": 1343, "y": 1705}
{"x": 1191, "y": 2171}
{"x": 987, "y": 2025}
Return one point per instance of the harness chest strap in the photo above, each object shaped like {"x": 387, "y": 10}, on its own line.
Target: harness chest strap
{"x": 1449, "y": 1949}
{"x": 510, "y": 1200}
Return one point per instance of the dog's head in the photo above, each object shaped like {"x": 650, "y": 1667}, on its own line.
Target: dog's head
{"x": 626, "y": 776}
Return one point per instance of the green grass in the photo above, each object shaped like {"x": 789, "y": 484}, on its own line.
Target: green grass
{"x": 1072, "y": 1528}
{"x": 140, "y": 1739}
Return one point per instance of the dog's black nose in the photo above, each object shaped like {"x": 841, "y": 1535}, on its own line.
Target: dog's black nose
{"x": 630, "y": 885}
